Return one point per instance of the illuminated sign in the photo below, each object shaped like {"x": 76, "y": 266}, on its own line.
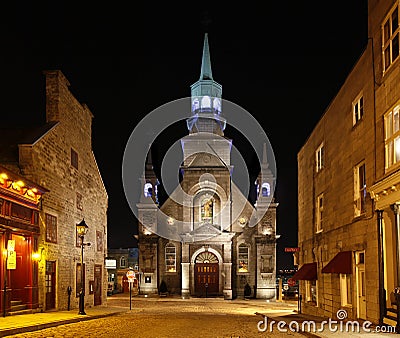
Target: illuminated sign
{"x": 111, "y": 263}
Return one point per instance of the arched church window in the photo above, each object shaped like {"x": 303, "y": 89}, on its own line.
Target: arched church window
{"x": 266, "y": 189}
{"x": 217, "y": 104}
{"x": 148, "y": 190}
{"x": 207, "y": 210}
{"x": 243, "y": 258}
{"x": 206, "y": 102}
{"x": 195, "y": 105}
{"x": 122, "y": 262}
{"x": 170, "y": 257}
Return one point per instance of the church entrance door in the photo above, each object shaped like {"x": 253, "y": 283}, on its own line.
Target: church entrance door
{"x": 206, "y": 275}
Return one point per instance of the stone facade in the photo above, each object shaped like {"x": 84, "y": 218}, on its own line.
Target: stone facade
{"x": 346, "y": 190}
{"x": 60, "y": 158}
{"x": 199, "y": 241}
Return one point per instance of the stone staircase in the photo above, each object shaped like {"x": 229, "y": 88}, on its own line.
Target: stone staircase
{"x": 18, "y": 308}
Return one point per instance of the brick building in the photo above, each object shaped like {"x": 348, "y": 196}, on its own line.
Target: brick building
{"x": 208, "y": 247}
{"x": 58, "y": 157}
{"x": 348, "y": 183}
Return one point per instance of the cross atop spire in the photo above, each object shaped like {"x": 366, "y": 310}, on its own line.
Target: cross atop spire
{"x": 206, "y": 73}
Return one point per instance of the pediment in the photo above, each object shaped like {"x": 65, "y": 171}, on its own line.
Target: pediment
{"x": 205, "y": 229}
{"x": 205, "y": 160}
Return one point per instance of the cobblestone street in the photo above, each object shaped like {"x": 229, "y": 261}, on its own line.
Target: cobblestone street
{"x": 174, "y": 317}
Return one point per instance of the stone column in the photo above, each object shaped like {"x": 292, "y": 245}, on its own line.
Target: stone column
{"x": 185, "y": 292}
{"x": 382, "y": 292}
{"x": 228, "y": 280}
{"x": 396, "y": 210}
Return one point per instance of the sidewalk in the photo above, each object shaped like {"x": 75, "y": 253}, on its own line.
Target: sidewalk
{"x": 11, "y": 325}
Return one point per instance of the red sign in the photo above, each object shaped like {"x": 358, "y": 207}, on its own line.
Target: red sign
{"x": 130, "y": 274}
{"x": 292, "y": 249}
{"x": 291, "y": 282}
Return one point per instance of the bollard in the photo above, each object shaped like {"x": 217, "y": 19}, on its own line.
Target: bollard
{"x": 69, "y": 290}
{"x": 299, "y": 303}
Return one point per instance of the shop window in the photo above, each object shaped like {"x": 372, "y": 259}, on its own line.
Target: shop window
{"x": 243, "y": 258}
{"x": 345, "y": 289}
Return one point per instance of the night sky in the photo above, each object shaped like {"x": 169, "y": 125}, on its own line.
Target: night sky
{"x": 283, "y": 64}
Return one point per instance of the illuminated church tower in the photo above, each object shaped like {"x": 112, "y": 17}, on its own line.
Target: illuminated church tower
{"x": 215, "y": 251}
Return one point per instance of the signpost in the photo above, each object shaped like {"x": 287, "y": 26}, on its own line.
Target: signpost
{"x": 131, "y": 277}
{"x": 291, "y": 282}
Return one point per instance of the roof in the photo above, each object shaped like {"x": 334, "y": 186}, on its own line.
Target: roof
{"x": 10, "y": 138}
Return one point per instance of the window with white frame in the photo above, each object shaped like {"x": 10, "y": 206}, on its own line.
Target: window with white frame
{"x": 243, "y": 258}
{"x": 358, "y": 109}
{"x": 311, "y": 291}
{"x": 319, "y": 158}
{"x": 345, "y": 289}
{"x": 122, "y": 262}
{"x": 390, "y": 37}
{"x": 319, "y": 212}
{"x": 170, "y": 257}
{"x": 360, "y": 189}
{"x": 392, "y": 136}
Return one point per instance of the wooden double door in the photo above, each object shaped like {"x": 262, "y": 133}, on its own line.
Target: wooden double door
{"x": 206, "y": 279}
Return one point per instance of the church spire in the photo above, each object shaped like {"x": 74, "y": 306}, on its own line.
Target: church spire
{"x": 206, "y": 99}
{"x": 206, "y": 73}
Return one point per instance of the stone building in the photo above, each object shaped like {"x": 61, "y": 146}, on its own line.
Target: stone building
{"x": 58, "y": 158}
{"x": 348, "y": 186}
{"x": 208, "y": 248}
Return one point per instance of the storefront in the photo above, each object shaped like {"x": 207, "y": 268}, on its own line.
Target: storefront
{"x": 19, "y": 232}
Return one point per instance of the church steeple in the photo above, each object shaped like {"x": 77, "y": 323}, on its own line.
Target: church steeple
{"x": 206, "y": 99}
{"x": 206, "y": 72}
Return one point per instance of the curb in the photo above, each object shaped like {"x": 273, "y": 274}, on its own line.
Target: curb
{"x": 13, "y": 331}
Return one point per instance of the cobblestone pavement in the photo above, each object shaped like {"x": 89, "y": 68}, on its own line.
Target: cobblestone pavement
{"x": 167, "y": 317}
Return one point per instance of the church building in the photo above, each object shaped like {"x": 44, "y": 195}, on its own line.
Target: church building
{"x": 220, "y": 241}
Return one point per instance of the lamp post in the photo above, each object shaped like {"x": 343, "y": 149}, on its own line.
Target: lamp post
{"x": 81, "y": 229}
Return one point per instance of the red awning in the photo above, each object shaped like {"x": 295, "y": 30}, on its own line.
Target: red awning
{"x": 308, "y": 271}
{"x": 341, "y": 263}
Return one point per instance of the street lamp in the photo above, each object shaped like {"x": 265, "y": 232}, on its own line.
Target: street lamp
{"x": 81, "y": 230}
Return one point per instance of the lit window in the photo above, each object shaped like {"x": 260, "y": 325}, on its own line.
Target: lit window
{"x": 122, "y": 262}
{"x": 266, "y": 190}
{"x": 195, "y": 105}
{"x": 206, "y": 102}
{"x": 390, "y": 37}
{"x": 217, "y": 105}
{"x": 319, "y": 158}
{"x": 345, "y": 290}
{"x": 170, "y": 258}
{"x": 392, "y": 137}
{"x": 319, "y": 212}
{"x": 358, "y": 109}
{"x": 243, "y": 258}
{"x": 360, "y": 189}
{"x": 311, "y": 291}
{"x": 207, "y": 210}
{"x": 51, "y": 228}
{"x": 148, "y": 190}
